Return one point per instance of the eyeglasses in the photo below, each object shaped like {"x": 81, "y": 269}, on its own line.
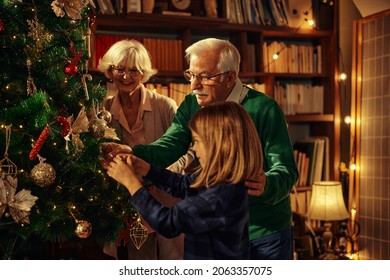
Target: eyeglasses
{"x": 203, "y": 79}
{"x": 121, "y": 71}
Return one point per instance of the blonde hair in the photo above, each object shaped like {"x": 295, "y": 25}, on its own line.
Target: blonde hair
{"x": 234, "y": 150}
{"x": 128, "y": 53}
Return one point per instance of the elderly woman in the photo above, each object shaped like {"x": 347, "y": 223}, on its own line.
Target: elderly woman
{"x": 140, "y": 116}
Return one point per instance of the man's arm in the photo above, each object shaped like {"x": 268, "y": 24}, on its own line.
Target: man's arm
{"x": 176, "y": 140}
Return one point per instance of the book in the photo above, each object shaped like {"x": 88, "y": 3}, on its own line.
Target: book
{"x": 309, "y": 147}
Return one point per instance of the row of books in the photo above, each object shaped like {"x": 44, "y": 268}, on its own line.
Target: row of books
{"x": 282, "y": 57}
{"x": 299, "y": 98}
{"x": 166, "y": 54}
{"x": 312, "y": 158}
{"x": 288, "y": 13}
{"x": 118, "y": 7}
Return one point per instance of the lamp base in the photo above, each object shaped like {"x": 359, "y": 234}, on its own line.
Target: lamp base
{"x": 327, "y": 238}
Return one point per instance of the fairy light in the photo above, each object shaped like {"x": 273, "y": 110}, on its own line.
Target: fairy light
{"x": 275, "y": 56}
{"x": 347, "y": 119}
{"x": 343, "y": 76}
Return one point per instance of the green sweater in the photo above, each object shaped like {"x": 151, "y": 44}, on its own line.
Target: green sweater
{"x": 269, "y": 213}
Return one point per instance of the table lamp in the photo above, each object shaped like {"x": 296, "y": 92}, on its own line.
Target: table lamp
{"x": 327, "y": 204}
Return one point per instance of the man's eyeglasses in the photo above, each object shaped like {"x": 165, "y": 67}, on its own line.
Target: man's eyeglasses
{"x": 203, "y": 79}
{"x": 121, "y": 71}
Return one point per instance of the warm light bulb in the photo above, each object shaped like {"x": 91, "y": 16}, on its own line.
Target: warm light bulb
{"x": 347, "y": 119}
{"x": 352, "y": 166}
{"x": 310, "y": 22}
{"x": 343, "y": 76}
{"x": 275, "y": 56}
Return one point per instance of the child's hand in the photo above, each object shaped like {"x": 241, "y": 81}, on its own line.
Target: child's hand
{"x": 121, "y": 169}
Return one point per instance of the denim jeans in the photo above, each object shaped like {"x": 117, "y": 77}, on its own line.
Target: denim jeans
{"x": 276, "y": 246}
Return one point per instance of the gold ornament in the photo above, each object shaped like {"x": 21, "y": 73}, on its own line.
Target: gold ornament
{"x": 7, "y": 167}
{"x": 83, "y": 229}
{"x": 79, "y": 126}
{"x": 97, "y": 127}
{"x": 43, "y": 174}
{"x": 31, "y": 87}
{"x": 38, "y": 34}
{"x": 19, "y": 204}
{"x": 138, "y": 233}
{"x": 72, "y": 8}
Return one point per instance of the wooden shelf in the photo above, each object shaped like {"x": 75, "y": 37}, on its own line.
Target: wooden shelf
{"x": 251, "y": 40}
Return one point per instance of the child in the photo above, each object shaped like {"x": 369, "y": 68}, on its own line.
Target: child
{"x": 213, "y": 212}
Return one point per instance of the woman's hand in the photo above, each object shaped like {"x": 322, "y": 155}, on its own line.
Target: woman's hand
{"x": 109, "y": 150}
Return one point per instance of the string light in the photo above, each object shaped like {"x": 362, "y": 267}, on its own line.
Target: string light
{"x": 343, "y": 76}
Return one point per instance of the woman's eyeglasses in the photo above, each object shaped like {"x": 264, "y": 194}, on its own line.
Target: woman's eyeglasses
{"x": 121, "y": 71}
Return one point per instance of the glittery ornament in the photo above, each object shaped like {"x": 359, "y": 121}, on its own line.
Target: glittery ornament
{"x": 105, "y": 115}
{"x": 83, "y": 229}
{"x": 43, "y": 174}
{"x": 39, "y": 143}
{"x": 65, "y": 125}
{"x": 70, "y": 69}
{"x": 19, "y": 204}
{"x": 97, "y": 127}
{"x": 138, "y": 233}
{"x": 72, "y": 8}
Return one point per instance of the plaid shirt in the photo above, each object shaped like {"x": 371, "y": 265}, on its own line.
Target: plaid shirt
{"x": 214, "y": 220}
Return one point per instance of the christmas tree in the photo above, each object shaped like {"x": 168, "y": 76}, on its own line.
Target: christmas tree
{"x": 52, "y": 186}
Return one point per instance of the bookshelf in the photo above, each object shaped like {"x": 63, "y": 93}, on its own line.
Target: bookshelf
{"x": 252, "y": 40}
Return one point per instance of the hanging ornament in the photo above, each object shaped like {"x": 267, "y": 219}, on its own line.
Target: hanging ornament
{"x": 138, "y": 233}
{"x": 124, "y": 234}
{"x": 39, "y": 143}
{"x": 97, "y": 127}
{"x": 83, "y": 229}
{"x": 105, "y": 115}
{"x": 31, "y": 88}
{"x": 43, "y": 174}
{"x": 72, "y": 8}
{"x": 19, "y": 204}
{"x": 38, "y": 33}
{"x": 70, "y": 69}
{"x": 7, "y": 167}
{"x": 79, "y": 126}
{"x": 65, "y": 125}
{"x": 84, "y": 82}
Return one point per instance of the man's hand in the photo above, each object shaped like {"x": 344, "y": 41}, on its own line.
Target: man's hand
{"x": 109, "y": 150}
{"x": 256, "y": 185}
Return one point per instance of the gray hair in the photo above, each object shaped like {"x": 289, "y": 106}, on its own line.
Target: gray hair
{"x": 229, "y": 56}
{"x": 130, "y": 52}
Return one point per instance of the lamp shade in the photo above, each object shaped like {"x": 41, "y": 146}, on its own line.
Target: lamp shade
{"x": 327, "y": 202}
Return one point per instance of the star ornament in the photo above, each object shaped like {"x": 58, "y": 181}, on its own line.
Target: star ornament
{"x": 19, "y": 204}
